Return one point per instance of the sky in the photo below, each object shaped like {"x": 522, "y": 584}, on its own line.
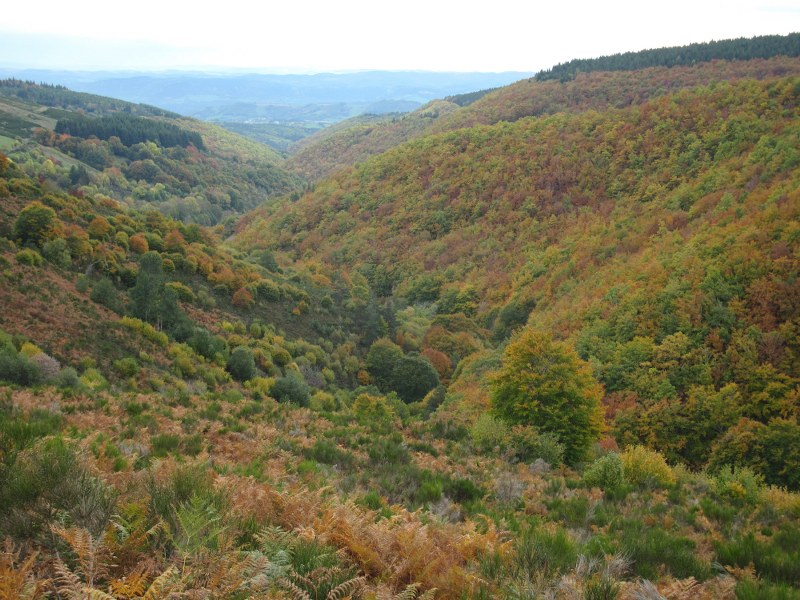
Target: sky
{"x": 306, "y": 36}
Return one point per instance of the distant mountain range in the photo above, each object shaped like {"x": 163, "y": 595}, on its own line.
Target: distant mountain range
{"x": 273, "y": 109}
{"x": 209, "y": 95}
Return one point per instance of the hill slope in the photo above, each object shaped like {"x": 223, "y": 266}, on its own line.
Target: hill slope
{"x": 628, "y": 228}
{"x": 137, "y": 154}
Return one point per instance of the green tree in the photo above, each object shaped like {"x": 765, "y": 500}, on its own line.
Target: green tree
{"x": 241, "y": 364}
{"x": 413, "y": 376}
{"x": 291, "y": 388}
{"x": 34, "y": 224}
{"x": 382, "y": 357}
{"x": 545, "y": 384}
{"x": 151, "y": 299}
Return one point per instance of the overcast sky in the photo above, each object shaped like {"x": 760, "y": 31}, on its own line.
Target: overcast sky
{"x": 339, "y": 35}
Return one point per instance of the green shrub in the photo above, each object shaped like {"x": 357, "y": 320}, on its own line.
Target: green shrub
{"x": 105, "y": 293}
{"x": 489, "y": 433}
{"x": 241, "y": 364}
{"x": 759, "y": 590}
{"x": 738, "y": 484}
{"x": 30, "y": 257}
{"x": 291, "y": 388}
{"x": 93, "y": 380}
{"x": 56, "y": 252}
{"x": 644, "y": 467}
{"x": 49, "y": 483}
{"x": 605, "y": 473}
{"x": 388, "y": 450}
{"x": 127, "y": 367}
{"x": 529, "y": 445}
{"x": 163, "y": 444}
{"x": 545, "y": 384}
{"x": 18, "y": 368}
{"x": 328, "y": 453}
{"x": 67, "y": 378}
{"x": 540, "y": 551}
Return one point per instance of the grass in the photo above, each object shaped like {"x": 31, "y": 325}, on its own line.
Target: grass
{"x": 776, "y": 560}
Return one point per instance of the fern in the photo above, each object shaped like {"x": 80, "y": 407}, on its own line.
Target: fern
{"x": 92, "y": 554}
{"x": 17, "y": 581}
{"x": 161, "y": 585}
{"x": 346, "y": 589}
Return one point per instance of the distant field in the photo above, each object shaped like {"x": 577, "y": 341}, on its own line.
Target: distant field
{"x": 6, "y": 143}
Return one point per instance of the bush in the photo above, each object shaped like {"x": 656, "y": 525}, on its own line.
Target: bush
{"x": 291, "y": 388}
{"x": 67, "y": 378}
{"x": 56, "y": 252}
{"x": 50, "y": 483}
{"x": 530, "y": 445}
{"x": 105, "y": 293}
{"x": 375, "y": 412}
{"x": 488, "y": 433}
{"x": 328, "y": 453}
{"x": 738, "y": 484}
{"x": 241, "y": 364}
{"x": 163, "y": 444}
{"x": 29, "y": 257}
{"x": 93, "y": 380}
{"x": 127, "y": 367}
{"x": 605, "y": 473}
{"x": 383, "y": 355}
{"x": 18, "y": 368}
{"x": 644, "y": 467}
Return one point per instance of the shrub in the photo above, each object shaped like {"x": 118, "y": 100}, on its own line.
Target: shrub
{"x": 30, "y": 257}
{"x": 488, "y": 433}
{"x": 651, "y": 549}
{"x": 545, "y": 384}
{"x": 106, "y": 294}
{"x": 49, "y": 483}
{"x": 93, "y": 380}
{"x": 145, "y": 330}
{"x": 605, "y": 473}
{"x": 291, "y": 388}
{"x": 241, "y": 364}
{"x": 530, "y": 445}
{"x": 18, "y": 368}
{"x": 67, "y": 378}
{"x": 644, "y": 467}
{"x": 375, "y": 412}
{"x": 127, "y": 367}
{"x": 183, "y": 292}
{"x": 163, "y": 444}
{"x": 738, "y": 484}
{"x": 56, "y": 252}
{"x": 326, "y": 452}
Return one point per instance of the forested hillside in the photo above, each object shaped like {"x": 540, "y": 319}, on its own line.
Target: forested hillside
{"x": 137, "y": 154}
{"x": 549, "y": 352}
{"x": 659, "y": 233}
{"x": 348, "y": 144}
